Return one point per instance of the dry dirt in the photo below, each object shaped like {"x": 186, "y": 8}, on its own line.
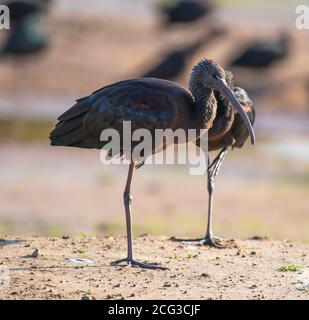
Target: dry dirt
{"x": 250, "y": 271}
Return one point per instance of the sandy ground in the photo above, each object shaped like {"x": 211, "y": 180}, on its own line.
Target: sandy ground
{"x": 249, "y": 271}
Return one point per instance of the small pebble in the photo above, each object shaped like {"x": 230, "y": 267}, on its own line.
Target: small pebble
{"x": 35, "y": 253}
{"x": 205, "y": 275}
{"x": 87, "y": 297}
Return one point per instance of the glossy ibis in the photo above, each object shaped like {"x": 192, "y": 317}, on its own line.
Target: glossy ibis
{"x": 227, "y": 132}
{"x": 25, "y": 36}
{"x": 263, "y": 53}
{"x": 174, "y": 63}
{"x": 185, "y": 11}
{"x": 19, "y": 10}
{"x": 149, "y": 104}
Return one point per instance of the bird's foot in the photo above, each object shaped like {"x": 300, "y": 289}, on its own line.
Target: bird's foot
{"x": 213, "y": 242}
{"x": 133, "y": 263}
{"x": 210, "y": 241}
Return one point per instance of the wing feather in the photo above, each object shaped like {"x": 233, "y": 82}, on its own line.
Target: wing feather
{"x": 146, "y": 103}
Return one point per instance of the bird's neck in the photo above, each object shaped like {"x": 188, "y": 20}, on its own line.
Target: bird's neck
{"x": 205, "y": 107}
{"x": 224, "y": 119}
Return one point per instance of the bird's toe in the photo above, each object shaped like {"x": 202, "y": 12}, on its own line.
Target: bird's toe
{"x": 133, "y": 263}
{"x": 214, "y": 242}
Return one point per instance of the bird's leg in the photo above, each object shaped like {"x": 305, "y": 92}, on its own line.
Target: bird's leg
{"x": 127, "y": 199}
{"x": 212, "y": 171}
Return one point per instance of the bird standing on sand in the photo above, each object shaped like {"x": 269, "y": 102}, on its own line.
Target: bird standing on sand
{"x": 228, "y": 131}
{"x": 149, "y": 104}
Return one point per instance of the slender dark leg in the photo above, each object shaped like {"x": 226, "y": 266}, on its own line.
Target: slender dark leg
{"x": 127, "y": 199}
{"x": 212, "y": 172}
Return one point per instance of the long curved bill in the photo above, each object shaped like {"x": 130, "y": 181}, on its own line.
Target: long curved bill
{"x": 229, "y": 94}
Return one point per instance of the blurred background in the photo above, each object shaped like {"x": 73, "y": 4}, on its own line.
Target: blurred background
{"x": 58, "y": 50}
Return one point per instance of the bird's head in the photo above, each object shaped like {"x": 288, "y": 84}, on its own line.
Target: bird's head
{"x": 205, "y": 73}
{"x": 209, "y": 75}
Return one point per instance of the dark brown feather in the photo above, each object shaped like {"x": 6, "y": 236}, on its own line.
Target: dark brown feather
{"x": 71, "y": 138}
{"x": 147, "y": 103}
{"x": 64, "y": 127}
{"x": 82, "y": 106}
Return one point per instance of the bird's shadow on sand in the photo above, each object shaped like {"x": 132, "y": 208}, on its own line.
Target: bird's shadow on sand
{"x": 4, "y": 242}
{"x": 45, "y": 268}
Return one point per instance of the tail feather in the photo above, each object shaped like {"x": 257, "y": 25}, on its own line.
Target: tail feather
{"x": 70, "y": 138}
{"x": 82, "y": 106}
{"x": 70, "y": 129}
{"x": 64, "y": 127}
